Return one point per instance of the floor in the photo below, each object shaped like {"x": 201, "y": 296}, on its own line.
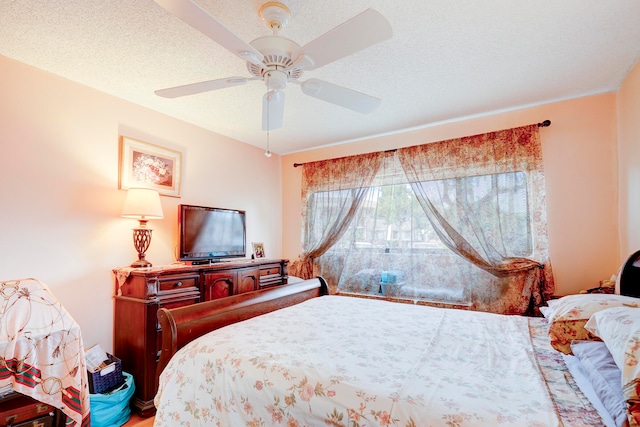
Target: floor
{"x": 138, "y": 421}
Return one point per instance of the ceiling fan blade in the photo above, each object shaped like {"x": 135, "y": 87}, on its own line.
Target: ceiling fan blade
{"x": 201, "y": 20}
{"x": 361, "y": 31}
{"x": 193, "y": 88}
{"x": 347, "y": 98}
{"x": 272, "y": 110}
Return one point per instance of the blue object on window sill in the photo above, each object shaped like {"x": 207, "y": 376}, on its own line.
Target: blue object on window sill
{"x": 392, "y": 276}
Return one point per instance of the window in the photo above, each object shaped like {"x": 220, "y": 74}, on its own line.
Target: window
{"x": 461, "y": 221}
{"x": 390, "y": 218}
{"x": 391, "y": 248}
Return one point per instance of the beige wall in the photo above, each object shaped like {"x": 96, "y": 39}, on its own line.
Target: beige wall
{"x": 60, "y": 203}
{"x": 629, "y": 161}
{"x": 580, "y": 157}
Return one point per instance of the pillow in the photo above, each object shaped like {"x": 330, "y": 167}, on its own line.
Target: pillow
{"x": 604, "y": 376}
{"x": 569, "y": 314}
{"x": 553, "y": 302}
{"x": 546, "y": 312}
{"x": 619, "y": 328}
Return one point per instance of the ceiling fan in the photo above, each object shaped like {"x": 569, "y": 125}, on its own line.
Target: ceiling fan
{"x": 278, "y": 61}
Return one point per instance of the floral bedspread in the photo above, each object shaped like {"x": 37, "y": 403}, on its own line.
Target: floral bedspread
{"x": 41, "y": 351}
{"x": 343, "y": 361}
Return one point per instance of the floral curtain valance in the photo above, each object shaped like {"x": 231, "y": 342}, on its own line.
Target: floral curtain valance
{"x": 509, "y": 150}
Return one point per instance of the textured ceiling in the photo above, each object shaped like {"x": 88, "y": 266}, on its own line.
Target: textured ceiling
{"x": 447, "y": 59}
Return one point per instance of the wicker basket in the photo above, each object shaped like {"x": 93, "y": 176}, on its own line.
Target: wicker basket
{"x": 108, "y": 378}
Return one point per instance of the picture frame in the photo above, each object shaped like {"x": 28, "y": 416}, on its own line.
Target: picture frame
{"x": 258, "y": 250}
{"x": 144, "y": 165}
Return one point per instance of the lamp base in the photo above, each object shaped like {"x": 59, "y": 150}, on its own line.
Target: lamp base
{"x": 141, "y": 263}
{"x": 141, "y": 241}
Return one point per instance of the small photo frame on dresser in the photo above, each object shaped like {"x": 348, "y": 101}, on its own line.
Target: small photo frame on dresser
{"x": 258, "y": 250}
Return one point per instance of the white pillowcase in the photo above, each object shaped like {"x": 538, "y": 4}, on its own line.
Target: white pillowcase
{"x": 568, "y": 315}
{"x": 619, "y": 328}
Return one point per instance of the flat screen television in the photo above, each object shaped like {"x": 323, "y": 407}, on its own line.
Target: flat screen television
{"x": 210, "y": 234}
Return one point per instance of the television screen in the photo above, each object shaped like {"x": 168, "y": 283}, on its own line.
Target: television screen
{"x": 210, "y": 233}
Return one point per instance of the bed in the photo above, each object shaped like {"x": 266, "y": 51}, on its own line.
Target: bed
{"x": 295, "y": 356}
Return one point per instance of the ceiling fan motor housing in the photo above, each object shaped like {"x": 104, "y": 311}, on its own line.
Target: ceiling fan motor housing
{"x": 277, "y": 53}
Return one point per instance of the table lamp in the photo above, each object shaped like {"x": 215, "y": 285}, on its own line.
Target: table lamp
{"x": 142, "y": 204}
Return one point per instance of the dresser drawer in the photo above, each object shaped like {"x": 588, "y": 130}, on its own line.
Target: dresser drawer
{"x": 46, "y": 421}
{"x": 21, "y": 410}
{"x": 270, "y": 270}
{"x": 178, "y": 283}
{"x": 180, "y": 300}
{"x": 271, "y": 275}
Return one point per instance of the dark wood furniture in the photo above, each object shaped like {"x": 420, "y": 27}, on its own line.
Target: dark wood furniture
{"x": 184, "y": 324}
{"x": 630, "y": 276}
{"x": 19, "y": 409}
{"x": 137, "y": 330}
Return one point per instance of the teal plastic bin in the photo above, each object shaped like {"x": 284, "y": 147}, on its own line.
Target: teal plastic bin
{"x": 112, "y": 409}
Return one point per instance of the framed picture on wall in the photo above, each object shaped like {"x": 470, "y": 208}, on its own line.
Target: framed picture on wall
{"x": 258, "y": 250}
{"x": 144, "y": 165}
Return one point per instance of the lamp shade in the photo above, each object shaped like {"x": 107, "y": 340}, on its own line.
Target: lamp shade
{"x": 142, "y": 203}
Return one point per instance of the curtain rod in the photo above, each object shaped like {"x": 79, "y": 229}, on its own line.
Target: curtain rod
{"x": 543, "y": 124}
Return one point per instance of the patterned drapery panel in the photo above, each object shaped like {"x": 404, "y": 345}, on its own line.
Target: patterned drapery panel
{"x": 484, "y": 196}
{"x": 459, "y": 222}
{"x": 336, "y": 189}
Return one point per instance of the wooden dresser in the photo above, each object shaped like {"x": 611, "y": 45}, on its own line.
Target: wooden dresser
{"x": 141, "y": 292}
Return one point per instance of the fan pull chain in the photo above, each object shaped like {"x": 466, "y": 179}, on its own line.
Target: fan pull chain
{"x": 267, "y": 153}
{"x": 269, "y": 95}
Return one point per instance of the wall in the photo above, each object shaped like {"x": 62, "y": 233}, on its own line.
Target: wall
{"x": 59, "y": 217}
{"x": 629, "y": 161}
{"x": 580, "y": 160}
{"x": 60, "y": 203}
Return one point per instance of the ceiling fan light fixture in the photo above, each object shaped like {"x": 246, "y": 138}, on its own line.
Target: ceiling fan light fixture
{"x": 276, "y": 80}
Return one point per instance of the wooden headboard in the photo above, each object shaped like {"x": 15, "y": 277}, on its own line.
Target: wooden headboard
{"x": 184, "y": 324}
{"x": 629, "y": 276}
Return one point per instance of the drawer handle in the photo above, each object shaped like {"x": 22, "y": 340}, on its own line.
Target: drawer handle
{"x": 178, "y": 285}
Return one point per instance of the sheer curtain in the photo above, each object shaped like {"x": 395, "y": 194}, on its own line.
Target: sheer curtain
{"x": 391, "y": 250}
{"x": 484, "y": 196}
{"x": 333, "y": 190}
